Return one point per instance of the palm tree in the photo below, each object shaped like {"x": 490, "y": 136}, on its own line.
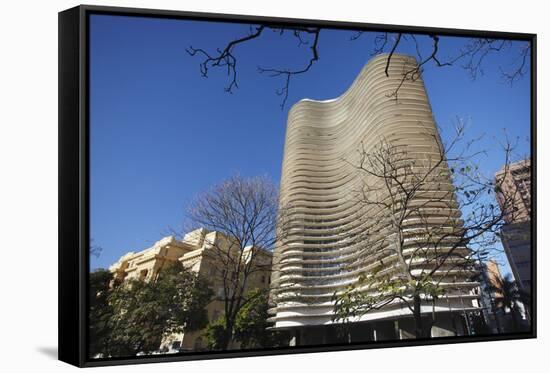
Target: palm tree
{"x": 507, "y": 295}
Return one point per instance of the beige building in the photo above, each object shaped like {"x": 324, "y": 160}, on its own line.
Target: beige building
{"x": 146, "y": 264}
{"x": 491, "y": 293}
{"x": 320, "y": 256}
{"x": 494, "y": 278}
{"x": 198, "y": 251}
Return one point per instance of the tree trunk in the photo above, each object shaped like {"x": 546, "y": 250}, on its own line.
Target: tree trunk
{"x": 417, "y": 313}
{"x": 497, "y": 319}
{"x": 227, "y": 335}
{"x": 515, "y": 322}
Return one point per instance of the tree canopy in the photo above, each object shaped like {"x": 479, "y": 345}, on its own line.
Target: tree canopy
{"x": 137, "y": 314}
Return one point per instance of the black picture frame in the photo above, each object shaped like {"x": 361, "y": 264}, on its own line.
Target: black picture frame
{"x": 74, "y": 183}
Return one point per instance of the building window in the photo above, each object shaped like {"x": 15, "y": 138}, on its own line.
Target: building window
{"x": 143, "y": 274}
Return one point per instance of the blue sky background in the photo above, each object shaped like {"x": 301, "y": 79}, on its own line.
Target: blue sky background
{"x": 160, "y": 133}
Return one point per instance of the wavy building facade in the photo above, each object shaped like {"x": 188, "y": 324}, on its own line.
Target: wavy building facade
{"x": 321, "y": 253}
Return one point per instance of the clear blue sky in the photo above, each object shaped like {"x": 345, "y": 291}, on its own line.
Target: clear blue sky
{"x": 161, "y": 133}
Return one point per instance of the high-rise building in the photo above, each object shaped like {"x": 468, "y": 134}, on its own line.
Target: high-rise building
{"x": 516, "y": 240}
{"x": 514, "y": 197}
{"x": 515, "y": 185}
{"x": 198, "y": 251}
{"x": 321, "y": 254}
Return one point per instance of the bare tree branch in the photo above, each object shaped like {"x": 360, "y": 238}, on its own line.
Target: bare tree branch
{"x": 287, "y": 74}
{"x": 245, "y": 220}
{"x": 415, "y": 246}
{"x": 472, "y": 55}
{"x": 225, "y": 57}
{"x": 392, "y": 51}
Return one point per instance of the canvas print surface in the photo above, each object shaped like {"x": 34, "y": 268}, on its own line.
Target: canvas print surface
{"x": 257, "y": 186}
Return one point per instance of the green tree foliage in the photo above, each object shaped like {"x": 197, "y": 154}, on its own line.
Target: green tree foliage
{"x": 250, "y": 325}
{"x": 382, "y": 291}
{"x": 251, "y": 321}
{"x": 214, "y": 334}
{"x": 139, "y": 313}
{"x": 190, "y": 294}
{"x": 140, "y": 318}
{"x": 508, "y": 295}
{"x": 100, "y": 311}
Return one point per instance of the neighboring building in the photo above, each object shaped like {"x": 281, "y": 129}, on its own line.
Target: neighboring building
{"x": 197, "y": 252}
{"x": 515, "y": 184}
{"x": 317, "y": 258}
{"x": 494, "y": 278}
{"x": 146, "y": 264}
{"x": 491, "y": 287}
{"x": 516, "y": 240}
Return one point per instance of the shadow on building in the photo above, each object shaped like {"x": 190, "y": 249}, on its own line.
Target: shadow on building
{"x": 446, "y": 325}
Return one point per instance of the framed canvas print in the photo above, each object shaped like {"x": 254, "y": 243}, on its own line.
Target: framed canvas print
{"x": 234, "y": 186}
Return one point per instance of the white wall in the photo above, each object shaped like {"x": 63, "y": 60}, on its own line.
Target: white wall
{"x": 28, "y": 186}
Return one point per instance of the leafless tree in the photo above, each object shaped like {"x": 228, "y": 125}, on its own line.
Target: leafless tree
{"x": 225, "y": 57}
{"x": 244, "y": 213}
{"x": 426, "y": 214}
{"x": 471, "y": 56}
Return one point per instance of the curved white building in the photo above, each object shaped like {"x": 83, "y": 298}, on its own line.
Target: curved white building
{"x": 321, "y": 253}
